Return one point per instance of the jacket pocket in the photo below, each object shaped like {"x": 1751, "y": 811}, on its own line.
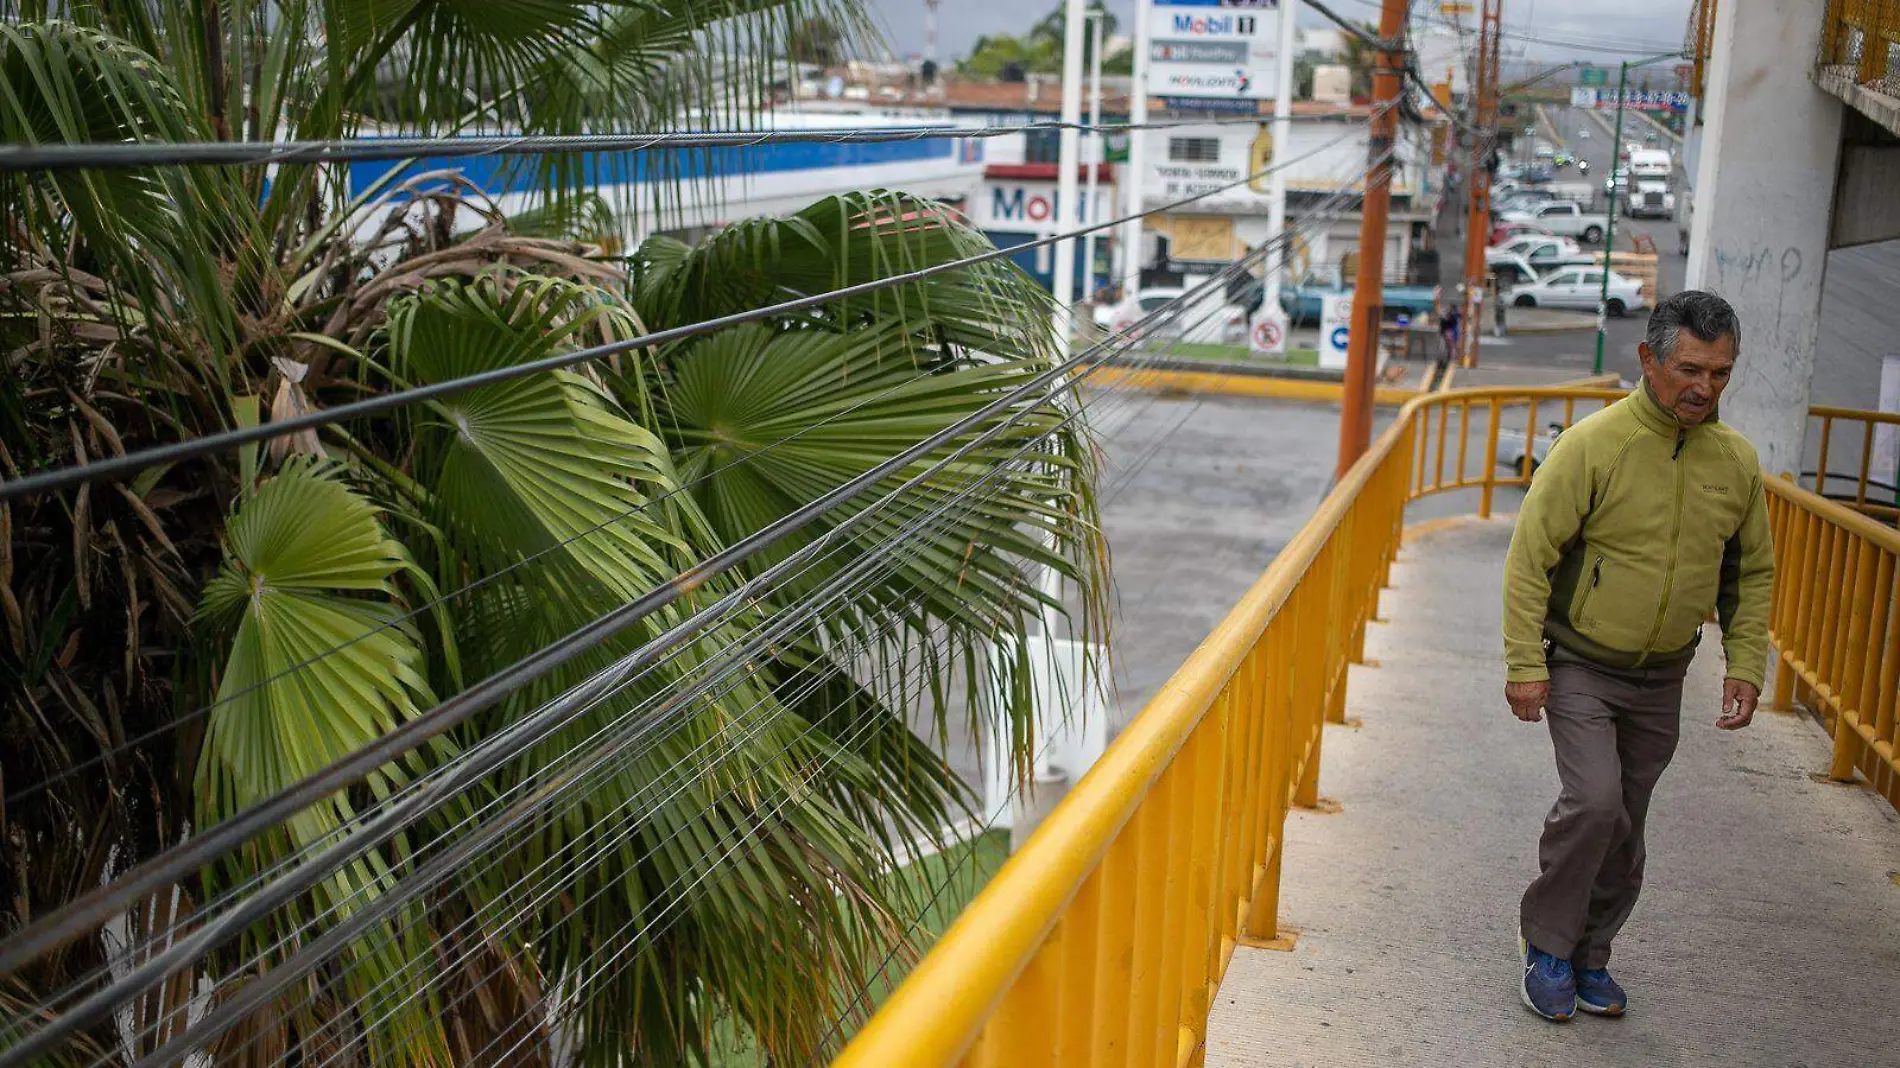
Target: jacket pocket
{"x": 1616, "y": 602}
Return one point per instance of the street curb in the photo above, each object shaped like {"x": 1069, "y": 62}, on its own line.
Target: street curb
{"x": 1240, "y": 383}
{"x": 1520, "y": 331}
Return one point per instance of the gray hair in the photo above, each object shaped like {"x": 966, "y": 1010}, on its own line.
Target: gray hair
{"x": 1698, "y": 311}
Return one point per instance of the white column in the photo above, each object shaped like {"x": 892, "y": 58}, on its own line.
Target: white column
{"x": 1093, "y": 157}
{"x": 1068, "y": 197}
{"x": 1135, "y": 171}
{"x": 1282, "y": 133}
{"x": 1763, "y": 192}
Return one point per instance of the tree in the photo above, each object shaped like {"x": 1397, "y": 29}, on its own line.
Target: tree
{"x": 316, "y": 594}
{"x": 1002, "y": 57}
{"x": 1360, "y": 58}
{"x": 818, "y": 41}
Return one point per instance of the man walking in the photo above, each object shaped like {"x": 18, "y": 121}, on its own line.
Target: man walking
{"x": 1644, "y": 517}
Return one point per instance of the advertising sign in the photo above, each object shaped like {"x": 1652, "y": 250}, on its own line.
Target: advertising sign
{"x": 1214, "y": 50}
{"x": 1635, "y": 99}
{"x": 1335, "y": 329}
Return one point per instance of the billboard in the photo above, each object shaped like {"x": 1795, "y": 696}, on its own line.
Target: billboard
{"x": 1214, "y": 50}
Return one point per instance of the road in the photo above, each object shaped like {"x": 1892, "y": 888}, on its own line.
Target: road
{"x": 1859, "y": 317}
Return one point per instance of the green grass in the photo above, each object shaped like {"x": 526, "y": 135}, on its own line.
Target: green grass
{"x": 933, "y": 891}
{"x": 1234, "y": 354}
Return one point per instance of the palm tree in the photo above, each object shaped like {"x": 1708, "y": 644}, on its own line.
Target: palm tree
{"x": 316, "y": 593}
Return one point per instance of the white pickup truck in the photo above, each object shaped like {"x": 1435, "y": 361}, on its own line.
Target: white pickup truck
{"x": 1565, "y": 219}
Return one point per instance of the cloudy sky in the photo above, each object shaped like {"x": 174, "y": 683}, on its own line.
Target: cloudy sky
{"x": 1573, "y": 25}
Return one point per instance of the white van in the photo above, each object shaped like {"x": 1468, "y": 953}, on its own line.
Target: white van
{"x": 1651, "y": 163}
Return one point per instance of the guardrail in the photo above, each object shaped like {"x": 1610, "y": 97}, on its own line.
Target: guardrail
{"x": 1859, "y": 486}
{"x": 1104, "y": 939}
{"x": 1835, "y": 626}
{"x": 1860, "y": 34}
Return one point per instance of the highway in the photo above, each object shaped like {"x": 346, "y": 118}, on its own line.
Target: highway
{"x": 1858, "y": 317}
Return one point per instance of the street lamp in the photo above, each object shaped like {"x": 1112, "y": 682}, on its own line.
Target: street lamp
{"x": 1609, "y": 233}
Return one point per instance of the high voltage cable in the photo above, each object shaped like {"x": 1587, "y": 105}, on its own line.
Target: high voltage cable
{"x": 27, "y": 947}
{"x": 259, "y": 990}
{"x": 193, "y": 448}
{"x": 126, "y": 154}
{"x": 842, "y": 590}
{"x": 343, "y": 831}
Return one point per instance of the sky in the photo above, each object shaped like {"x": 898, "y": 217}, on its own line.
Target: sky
{"x": 1639, "y": 23}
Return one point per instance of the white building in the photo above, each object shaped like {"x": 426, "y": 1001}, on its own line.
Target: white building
{"x": 1326, "y": 164}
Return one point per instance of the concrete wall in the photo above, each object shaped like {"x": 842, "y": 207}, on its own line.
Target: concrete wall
{"x": 1763, "y": 195}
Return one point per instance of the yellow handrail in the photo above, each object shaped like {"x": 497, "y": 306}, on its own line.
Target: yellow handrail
{"x": 1857, "y": 33}
{"x": 1866, "y": 489}
{"x": 1104, "y": 939}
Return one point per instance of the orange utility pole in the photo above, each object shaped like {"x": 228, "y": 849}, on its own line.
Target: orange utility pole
{"x": 1362, "y": 346}
{"x": 1484, "y": 140}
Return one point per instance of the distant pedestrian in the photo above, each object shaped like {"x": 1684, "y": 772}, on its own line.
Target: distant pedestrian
{"x": 1602, "y": 614}
{"x": 1497, "y": 308}
{"x": 1448, "y": 328}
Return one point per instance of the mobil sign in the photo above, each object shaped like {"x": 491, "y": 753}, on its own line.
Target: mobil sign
{"x": 1226, "y": 50}
{"x": 1019, "y": 207}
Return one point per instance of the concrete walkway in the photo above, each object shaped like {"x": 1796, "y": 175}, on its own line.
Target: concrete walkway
{"x": 1769, "y": 933}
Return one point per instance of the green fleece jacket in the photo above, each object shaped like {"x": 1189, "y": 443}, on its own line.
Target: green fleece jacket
{"x": 1634, "y": 528}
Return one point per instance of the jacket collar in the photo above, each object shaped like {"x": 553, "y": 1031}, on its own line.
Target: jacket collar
{"x": 1650, "y": 412}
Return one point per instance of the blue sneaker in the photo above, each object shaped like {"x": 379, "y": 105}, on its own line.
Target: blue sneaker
{"x": 1549, "y": 988}
{"x": 1598, "y": 993}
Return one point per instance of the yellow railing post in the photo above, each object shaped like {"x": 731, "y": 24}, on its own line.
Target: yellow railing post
{"x": 1847, "y": 707}
{"x": 1491, "y": 459}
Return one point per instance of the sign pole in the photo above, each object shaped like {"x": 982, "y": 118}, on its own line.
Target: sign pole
{"x": 1282, "y": 132}
{"x": 1067, "y": 195}
{"x": 1355, "y": 418}
{"x": 1135, "y": 172}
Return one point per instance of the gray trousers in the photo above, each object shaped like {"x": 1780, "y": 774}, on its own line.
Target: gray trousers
{"x": 1614, "y": 732}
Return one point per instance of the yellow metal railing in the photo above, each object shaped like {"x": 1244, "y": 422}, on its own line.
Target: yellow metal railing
{"x": 1860, "y": 34}
{"x": 1859, "y": 444}
{"x": 1836, "y": 627}
{"x": 1104, "y": 939}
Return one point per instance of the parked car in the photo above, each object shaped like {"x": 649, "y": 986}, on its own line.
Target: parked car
{"x": 1579, "y": 287}
{"x": 1302, "y": 302}
{"x": 1513, "y": 454}
{"x": 1566, "y": 219}
{"x": 1538, "y": 249}
{"x": 1503, "y": 232}
{"x": 1651, "y": 200}
{"x": 1215, "y": 321}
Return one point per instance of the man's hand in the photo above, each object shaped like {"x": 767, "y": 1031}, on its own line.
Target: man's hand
{"x": 1527, "y": 699}
{"x": 1738, "y": 704}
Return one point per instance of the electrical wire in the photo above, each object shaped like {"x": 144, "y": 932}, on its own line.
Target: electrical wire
{"x": 202, "y": 912}
{"x": 192, "y": 943}
{"x": 176, "y": 452}
{"x": 131, "y": 154}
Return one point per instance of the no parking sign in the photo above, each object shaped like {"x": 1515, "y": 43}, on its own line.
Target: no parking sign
{"x": 1268, "y": 336}
{"x": 1335, "y": 329}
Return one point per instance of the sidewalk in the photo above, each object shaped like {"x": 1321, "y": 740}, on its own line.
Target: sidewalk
{"x": 1767, "y": 933}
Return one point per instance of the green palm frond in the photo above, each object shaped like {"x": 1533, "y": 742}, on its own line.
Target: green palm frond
{"x": 320, "y": 665}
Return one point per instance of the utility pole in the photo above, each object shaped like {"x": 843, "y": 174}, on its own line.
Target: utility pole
{"x": 1609, "y": 234}
{"x": 1068, "y": 197}
{"x": 1362, "y": 346}
{"x": 1094, "y": 156}
{"x": 1484, "y": 138}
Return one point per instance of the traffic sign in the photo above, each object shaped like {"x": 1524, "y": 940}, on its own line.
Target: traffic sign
{"x": 1335, "y": 329}
{"x": 1593, "y": 76}
{"x": 1268, "y": 337}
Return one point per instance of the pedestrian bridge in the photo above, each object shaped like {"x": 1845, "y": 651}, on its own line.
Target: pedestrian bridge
{"x": 1308, "y": 849}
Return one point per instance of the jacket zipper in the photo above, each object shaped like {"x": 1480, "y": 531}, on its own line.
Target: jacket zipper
{"x": 1675, "y": 536}
{"x": 1596, "y": 576}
